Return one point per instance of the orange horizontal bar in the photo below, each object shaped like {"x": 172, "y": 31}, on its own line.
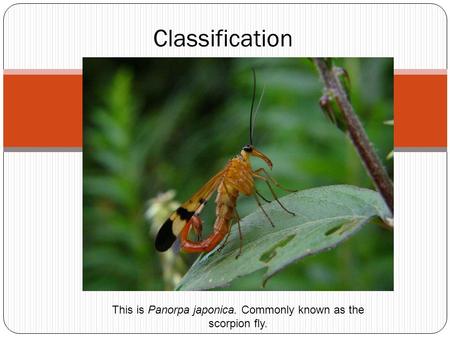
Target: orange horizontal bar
{"x": 420, "y": 110}
{"x": 43, "y": 110}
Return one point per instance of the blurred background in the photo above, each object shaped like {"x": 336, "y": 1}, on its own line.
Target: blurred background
{"x": 157, "y": 125}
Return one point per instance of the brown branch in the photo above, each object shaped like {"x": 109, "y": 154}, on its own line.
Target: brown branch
{"x": 356, "y": 131}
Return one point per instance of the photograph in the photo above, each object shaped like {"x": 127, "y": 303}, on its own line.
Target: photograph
{"x": 240, "y": 174}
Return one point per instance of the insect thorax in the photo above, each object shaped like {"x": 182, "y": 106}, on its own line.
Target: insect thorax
{"x": 238, "y": 175}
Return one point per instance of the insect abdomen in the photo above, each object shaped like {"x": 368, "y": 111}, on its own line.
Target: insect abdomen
{"x": 226, "y": 204}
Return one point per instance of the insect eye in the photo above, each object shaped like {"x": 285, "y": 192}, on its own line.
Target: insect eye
{"x": 248, "y": 148}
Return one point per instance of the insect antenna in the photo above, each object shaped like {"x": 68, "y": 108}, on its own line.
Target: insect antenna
{"x": 251, "y": 108}
{"x": 257, "y": 109}
{"x": 253, "y": 113}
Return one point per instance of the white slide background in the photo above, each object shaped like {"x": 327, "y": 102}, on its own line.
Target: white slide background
{"x": 43, "y": 190}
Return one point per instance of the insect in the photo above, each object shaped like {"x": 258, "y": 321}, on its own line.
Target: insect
{"x": 236, "y": 178}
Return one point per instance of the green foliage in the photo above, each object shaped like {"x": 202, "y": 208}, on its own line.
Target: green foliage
{"x": 116, "y": 243}
{"x": 151, "y": 125}
{"x": 323, "y": 218}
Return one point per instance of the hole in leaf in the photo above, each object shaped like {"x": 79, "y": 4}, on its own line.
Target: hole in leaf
{"x": 271, "y": 253}
{"x": 342, "y": 228}
{"x": 333, "y": 230}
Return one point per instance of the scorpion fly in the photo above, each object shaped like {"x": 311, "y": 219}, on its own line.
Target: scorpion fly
{"x": 238, "y": 177}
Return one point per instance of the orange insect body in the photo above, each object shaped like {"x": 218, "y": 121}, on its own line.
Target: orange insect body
{"x": 237, "y": 177}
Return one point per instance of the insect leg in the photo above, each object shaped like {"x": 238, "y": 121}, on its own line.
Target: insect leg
{"x": 224, "y": 242}
{"x": 240, "y": 233}
{"x": 260, "y": 195}
{"x": 278, "y": 201}
{"x": 271, "y": 190}
{"x": 262, "y": 170}
{"x": 265, "y": 213}
{"x": 196, "y": 224}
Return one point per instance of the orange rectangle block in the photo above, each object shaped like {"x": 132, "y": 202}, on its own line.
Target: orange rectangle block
{"x": 420, "y": 110}
{"x": 43, "y": 110}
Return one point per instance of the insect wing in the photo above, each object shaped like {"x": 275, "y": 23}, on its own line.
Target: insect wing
{"x": 178, "y": 219}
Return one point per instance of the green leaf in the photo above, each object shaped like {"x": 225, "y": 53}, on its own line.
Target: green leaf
{"x": 324, "y": 217}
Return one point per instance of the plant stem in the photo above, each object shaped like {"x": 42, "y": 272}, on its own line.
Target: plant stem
{"x": 356, "y": 132}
